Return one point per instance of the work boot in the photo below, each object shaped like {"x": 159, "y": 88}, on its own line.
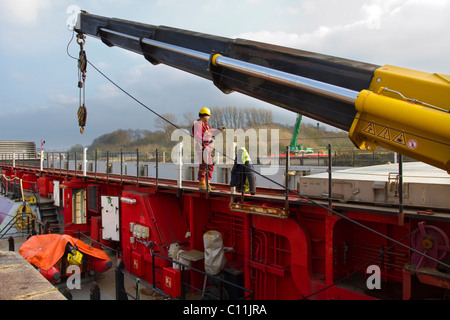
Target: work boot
{"x": 210, "y": 186}
{"x": 202, "y": 184}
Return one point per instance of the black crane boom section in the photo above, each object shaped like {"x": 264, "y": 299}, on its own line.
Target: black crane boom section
{"x": 192, "y": 52}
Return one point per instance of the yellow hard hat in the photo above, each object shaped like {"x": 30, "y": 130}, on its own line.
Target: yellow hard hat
{"x": 204, "y": 111}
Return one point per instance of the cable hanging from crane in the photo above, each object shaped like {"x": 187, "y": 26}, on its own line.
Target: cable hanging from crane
{"x": 82, "y": 66}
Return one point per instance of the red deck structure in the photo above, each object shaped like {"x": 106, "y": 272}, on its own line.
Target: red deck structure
{"x": 306, "y": 251}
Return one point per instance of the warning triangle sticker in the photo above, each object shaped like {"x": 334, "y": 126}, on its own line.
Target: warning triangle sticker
{"x": 385, "y": 134}
{"x": 370, "y": 129}
{"x": 400, "y": 139}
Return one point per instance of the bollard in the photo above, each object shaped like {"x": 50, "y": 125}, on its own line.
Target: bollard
{"x": 66, "y": 293}
{"x": 11, "y": 243}
{"x": 46, "y": 227}
{"x": 95, "y": 291}
{"x": 120, "y": 281}
{"x": 138, "y": 289}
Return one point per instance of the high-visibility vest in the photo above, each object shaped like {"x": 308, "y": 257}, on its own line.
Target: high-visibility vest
{"x": 245, "y": 156}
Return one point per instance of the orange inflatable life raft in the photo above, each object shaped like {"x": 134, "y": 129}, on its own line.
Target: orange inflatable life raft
{"x": 53, "y": 275}
{"x": 45, "y": 251}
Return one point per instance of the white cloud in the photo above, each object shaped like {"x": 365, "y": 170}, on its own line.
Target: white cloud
{"x": 107, "y": 91}
{"x": 378, "y": 9}
{"x": 380, "y": 32}
{"x": 374, "y": 13}
{"x": 103, "y": 65}
{"x": 23, "y": 11}
{"x": 308, "y": 6}
{"x": 63, "y": 99}
{"x": 312, "y": 40}
{"x": 30, "y": 26}
{"x": 435, "y": 3}
{"x": 19, "y": 76}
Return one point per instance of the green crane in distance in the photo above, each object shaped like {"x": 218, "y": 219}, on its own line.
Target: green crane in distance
{"x": 294, "y": 146}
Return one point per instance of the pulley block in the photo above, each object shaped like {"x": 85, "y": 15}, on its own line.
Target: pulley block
{"x": 82, "y": 115}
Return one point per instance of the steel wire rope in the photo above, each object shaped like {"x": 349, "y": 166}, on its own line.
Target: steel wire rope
{"x": 271, "y": 180}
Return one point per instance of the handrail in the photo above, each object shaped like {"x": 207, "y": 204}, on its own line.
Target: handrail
{"x": 20, "y": 181}
{"x": 12, "y": 222}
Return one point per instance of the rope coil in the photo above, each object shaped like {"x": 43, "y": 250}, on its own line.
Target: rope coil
{"x": 23, "y": 218}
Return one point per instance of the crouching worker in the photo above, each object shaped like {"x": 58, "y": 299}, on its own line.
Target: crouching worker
{"x": 243, "y": 175}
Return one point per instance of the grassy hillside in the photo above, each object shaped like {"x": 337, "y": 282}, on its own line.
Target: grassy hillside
{"x": 148, "y": 141}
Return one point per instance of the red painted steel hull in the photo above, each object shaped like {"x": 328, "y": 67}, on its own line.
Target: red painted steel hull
{"x": 311, "y": 254}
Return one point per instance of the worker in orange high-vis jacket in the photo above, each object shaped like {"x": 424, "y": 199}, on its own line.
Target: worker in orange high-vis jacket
{"x": 203, "y": 146}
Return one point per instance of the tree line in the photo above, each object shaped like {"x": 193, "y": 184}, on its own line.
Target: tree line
{"x": 230, "y": 117}
{"x": 233, "y": 117}
{"x": 240, "y": 118}
{"x": 148, "y": 141}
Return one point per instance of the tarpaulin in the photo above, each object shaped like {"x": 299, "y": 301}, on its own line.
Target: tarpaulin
{"x": 214, "y": 253}
{"x": 44, "y": 251}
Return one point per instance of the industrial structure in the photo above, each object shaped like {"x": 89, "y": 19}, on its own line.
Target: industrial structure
{"x": 365, "y": 233}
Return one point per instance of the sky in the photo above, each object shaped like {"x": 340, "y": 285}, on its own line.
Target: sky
{"x": 39, "y": 93}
